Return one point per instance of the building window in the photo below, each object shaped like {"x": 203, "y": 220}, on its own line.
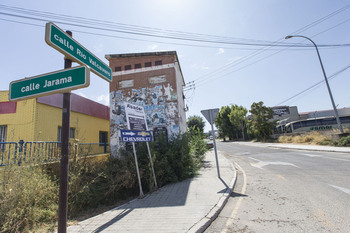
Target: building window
{"x": 138, "y": 66}
{"x": 59, "y": 133}
{"x": 3, "y": 133}
{"x": 118, "y": 68}
{"x": 127, "y": 67}
{"x": 125, "y": 83}
{"x": 148, "y": 64}
{"x": 158, "y": 63}
{"x": 103, "y": 138}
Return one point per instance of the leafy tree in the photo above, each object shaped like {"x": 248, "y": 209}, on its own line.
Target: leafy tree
{"x": 237, "y": 118}
{"x": 222, "y": 121}
{"x": 260, "y": 124}
{"x": 195, "y": 124}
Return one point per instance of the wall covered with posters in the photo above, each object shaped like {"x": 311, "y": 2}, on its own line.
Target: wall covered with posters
{"x": 160, "y": 109}
{"x": 152, "y": 80}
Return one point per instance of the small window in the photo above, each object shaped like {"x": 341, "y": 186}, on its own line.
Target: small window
{"x": 118, "y": 68}
{"x": 158, "y": 63}
{"x": 138, "y": 66}
{"x": 59, "y": 133}
{"x": 148, "y": 64}
{"x": 103, "y": 138}
{"x": 3, "y": 133}
{"x": 127, "y": 67}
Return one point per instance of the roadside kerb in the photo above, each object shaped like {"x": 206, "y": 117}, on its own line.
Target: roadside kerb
{"x": 205, "y": 222}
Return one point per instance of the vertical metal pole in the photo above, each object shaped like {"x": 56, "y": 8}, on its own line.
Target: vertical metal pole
{"x": 150, "y": 159}
{"x": 329, "y": 91}
{"x": 326, "y": 80}
{"x": 64, "y": 168}
{"x": 216, "y": 153}
{"x": 137, "y": 169}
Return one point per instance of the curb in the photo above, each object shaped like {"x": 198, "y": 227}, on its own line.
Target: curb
{"x": 205, "y": 222}
{"x": 338, "y": 150}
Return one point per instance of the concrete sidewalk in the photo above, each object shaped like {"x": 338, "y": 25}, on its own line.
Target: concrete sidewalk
{"x": 187, "y": 206}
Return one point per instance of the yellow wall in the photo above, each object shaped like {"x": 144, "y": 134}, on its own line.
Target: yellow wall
{"x": 49, "y": 118}
{"x": 20, "y": 125}
{"x": 39, "y": 122}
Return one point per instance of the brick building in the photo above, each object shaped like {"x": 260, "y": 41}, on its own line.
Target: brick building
{"x": 153, "y": 80}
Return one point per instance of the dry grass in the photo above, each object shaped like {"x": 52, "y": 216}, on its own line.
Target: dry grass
{"x": 316, "y": 138}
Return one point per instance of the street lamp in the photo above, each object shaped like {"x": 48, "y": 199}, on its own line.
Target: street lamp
{"x": 325, "y": 78}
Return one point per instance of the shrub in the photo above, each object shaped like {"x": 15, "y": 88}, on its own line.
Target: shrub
{"x": 345, "y": 141}
{"x": 28, "y": 198}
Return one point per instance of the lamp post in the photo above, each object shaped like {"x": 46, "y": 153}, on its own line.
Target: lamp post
{"x": 326, "y": 80}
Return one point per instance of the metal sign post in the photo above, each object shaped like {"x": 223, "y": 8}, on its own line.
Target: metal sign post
{"x": 210, "y": 115}
{"x": 137, "y": 170}
{"x": 64, "y": 165}
{"x": 62, "y": 81}
{"x": 136, "y": 119}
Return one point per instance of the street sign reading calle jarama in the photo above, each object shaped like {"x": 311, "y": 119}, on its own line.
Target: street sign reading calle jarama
{"x": 50, "y": 83}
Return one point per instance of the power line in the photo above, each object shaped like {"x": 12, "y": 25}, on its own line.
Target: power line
{"x": 315, "y": 85}
{"x": 143, "y": 31}
{"x": 232, "y": 64}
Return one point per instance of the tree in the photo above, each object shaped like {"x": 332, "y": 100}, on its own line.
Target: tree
{"x": 260, "y": 123}
{"x": 222, "y": 121}
{"x": 237, "y": 118}
{"x": 195, "y": 124}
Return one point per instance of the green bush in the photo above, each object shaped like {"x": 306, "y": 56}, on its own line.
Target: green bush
{"x": 345, "y": 141}
{"x": 28, "y": 198}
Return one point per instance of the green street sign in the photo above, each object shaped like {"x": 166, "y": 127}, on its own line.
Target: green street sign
{"x": 61, "y": 41}
{"x": 50, "y": 83}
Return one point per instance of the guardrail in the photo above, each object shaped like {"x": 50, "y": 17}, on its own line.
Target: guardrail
{"x": 39, "y": 151}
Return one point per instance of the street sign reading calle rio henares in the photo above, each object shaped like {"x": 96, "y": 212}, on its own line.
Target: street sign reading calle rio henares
{"x": 61, "y": 41}
{"x": 50, "y": 83}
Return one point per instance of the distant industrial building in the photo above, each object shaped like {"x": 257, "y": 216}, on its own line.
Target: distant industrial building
{"x": 153, "y": 80}
{"x": 289, "y": 120}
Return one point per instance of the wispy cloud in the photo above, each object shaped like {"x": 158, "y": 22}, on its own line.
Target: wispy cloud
{"x": 82, "y": 94}
{"x": 153, "y": 47}
{"x": 221, "y": 51}
{"x": 103, "y": 99}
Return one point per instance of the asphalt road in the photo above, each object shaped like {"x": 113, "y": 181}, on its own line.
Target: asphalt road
{"x": 280, "y": 190}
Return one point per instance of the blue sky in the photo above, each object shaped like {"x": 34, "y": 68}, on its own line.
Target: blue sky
{"x": 223, "y": 73}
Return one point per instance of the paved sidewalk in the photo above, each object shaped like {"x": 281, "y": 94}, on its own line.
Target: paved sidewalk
{"x": 187, "y": 206}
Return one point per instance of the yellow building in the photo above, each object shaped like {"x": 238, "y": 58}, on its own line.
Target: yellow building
{"x": 40, "y": 119}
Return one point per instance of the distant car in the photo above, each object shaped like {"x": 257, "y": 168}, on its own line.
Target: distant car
{"x": 209, "y": 143}
{"x": 211, "y": 137}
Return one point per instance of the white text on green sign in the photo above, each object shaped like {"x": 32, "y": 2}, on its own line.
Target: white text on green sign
{"x": 61, "y": 41}
{"x": 50, "y": 83}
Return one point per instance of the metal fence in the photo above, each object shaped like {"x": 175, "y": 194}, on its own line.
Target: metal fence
{"x": 26, "y": 152}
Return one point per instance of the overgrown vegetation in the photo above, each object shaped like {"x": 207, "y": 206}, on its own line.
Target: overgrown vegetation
{"x": 28, "y": 198}
{"x": 316, "y": 138}
{"x": 29, "y": 194}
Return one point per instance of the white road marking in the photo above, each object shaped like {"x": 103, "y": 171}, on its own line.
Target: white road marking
{"x": 311, "y": 155}
{"x": 260, "y": 164}
{"x": 243, "y": 153}
{"x": 345, "y": 190}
